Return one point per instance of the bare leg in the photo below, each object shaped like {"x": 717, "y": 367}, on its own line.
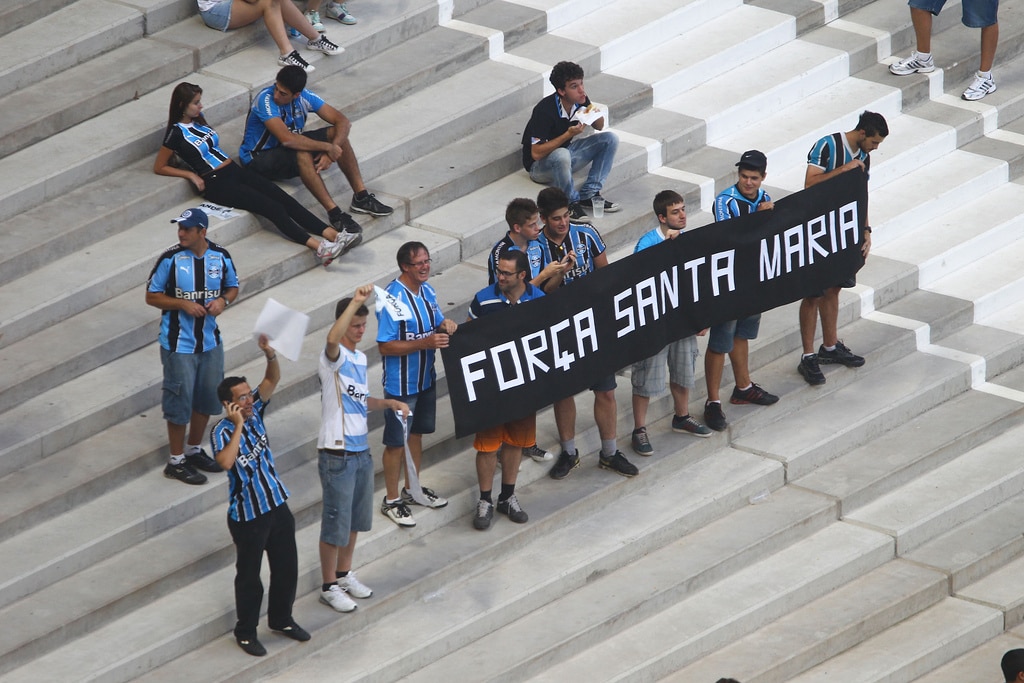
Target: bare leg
{"x": 294, "y": 17}
{"x": 922, "y": 20}
{"x": 640, "y": 404}
{"x": 510, "y": 459}
{"x": 486, "y": 463}
{"x": 808, "y": 323}
{"x": 392, "y": 460}
{"x": 828, "y": 308}
{"x": 197, "y": 428}
{"x": 176, "y": 438}
{"x": 989, "y": 40}
{"x": 245, "y": 12}
{"x": 740, "y": 358}
{"x": 313, "y": 181}
{"x": 680, "y": 398}
{"x": 345, "y": 553}
{"x": 336, "y": 558}
{"x": 605, "y": 413}
{"x": 565, "y": 418}
{"x": 349, "y": 165}
{"x": 714, "y": 367}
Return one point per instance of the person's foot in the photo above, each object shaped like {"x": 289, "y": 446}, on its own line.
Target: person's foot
{"x": 397, "y": 513}
{"x": 577, "y": 214}
{"x": 617, "y": 463}
{"x": 513, "y": 510}
{"x": 345, "y": 223}
{"x": 841, "y": 355}
{"x": 641, "y": 443}
{"x": 202, "y": 461}
{"x": 251, "y": 646}
{"x": 327, "y": 251}
{"x": 433, "y": 500}
{"x": 564, "y": 465}
{"x": 340, "y": 12}
{"x": 979, "y": 87}
{"x": 348, "y": 240}
{"x": 313, "y": 17}
{"x": 335, "y": 598}
{"x": 753, "y": 394}
{"x": 537, "y": 454}
{"x": 293, "y": 58}
{"x": 609, "y": 207}
{"x": 714, "y": 417}
{"x": 370, "y": 205}
{"x": 184, "y": 473}
{"x": 913, "y": 64}
{"x": 293, "y": 631}
{"x": 484, "y": 515}
{"x": 354, "y": 587}
{"x": 810, "y": 370}
{"x": 685, "y": 424}
{"x": 323, "y": 44}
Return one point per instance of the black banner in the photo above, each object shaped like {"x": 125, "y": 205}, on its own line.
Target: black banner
{"x": 505, "y": 366}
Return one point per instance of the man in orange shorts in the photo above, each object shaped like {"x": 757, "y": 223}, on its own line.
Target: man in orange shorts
{"x": 511, "y": 288}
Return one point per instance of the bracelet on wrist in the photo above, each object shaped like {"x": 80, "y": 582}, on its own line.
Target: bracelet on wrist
{"x": 271, "y": 359}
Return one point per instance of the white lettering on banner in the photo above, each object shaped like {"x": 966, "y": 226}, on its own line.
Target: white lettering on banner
{"x": 525, "y": 351}
{"x": 800, "y": 244}
{"x": 648, "y": 296}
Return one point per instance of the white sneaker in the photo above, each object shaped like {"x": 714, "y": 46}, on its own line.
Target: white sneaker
{"x": 337, "y": 599}
{"x": 354, "y": 587}
{"x": 913, "y": 64}
{"x": 979, "y": 88}
{"x": 433, "y": 500}
{"x": 538, "y": 454}
{"x": 397, "y": 512}
{"x": 347, "y": 240}
{"x": 295, "y": 59}
{"x": 340, "y": 12}
{"x": 328, "y": 251}
{"x": 322, "y": 44}
{"x": 313, "y": 17}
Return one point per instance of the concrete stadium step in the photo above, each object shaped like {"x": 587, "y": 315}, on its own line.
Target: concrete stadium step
{"x": 526, "y": 576}
{"x": 959, "y": 236}
{"x": 17, "y": 13}
{"x": 623, "y": 32}
{"x": 982, "y": 662}
{"x": 83, "y": 152}
{"x": 740, "y": 97}
{"x": 991, "y": 282}
{"x": 715, "y": 46}
{"x": 911, "y": 448}
{"x": 1001, "y": 590}
{"x": 210, "y": 609}
{"x": 561, "y": 12}
{"x": 119, "y": 76}
{"x": 812, "y": 634}
{"x": 618, "y": 599}
{"x": 108, "y": 394}
{"x": 735, "y": 606}
{"x": 939, "y": 500}
{"x": 913, "y": 647}
{"x": 36, "y": 51}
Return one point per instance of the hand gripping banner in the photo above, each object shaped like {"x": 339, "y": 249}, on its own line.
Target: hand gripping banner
{"x": 503, "y": 367}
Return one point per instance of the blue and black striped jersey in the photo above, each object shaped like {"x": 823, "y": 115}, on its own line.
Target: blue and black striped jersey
{"x": 533, "y": 254}
{"x": 197, "y": 146}
{"x": 585, "y": 240}
{"x": 731, "y": 203}
{"x": 832, "y": 151}
{"x": 413, "y": 372}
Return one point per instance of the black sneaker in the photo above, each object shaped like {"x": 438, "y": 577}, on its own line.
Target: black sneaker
{"x": 810, "y": 371}
{"x": 685, "y": 424}
{"x": 370, "y": 205}
{"x": 609, "y": 207}
{"x": 577, "y": 214}
{"x": 714, "y": 417}
{"x": 755, "y": 394}
{"x": 564, "y": 465}
{"x": 842, "y": 355}
{"x": 251, "y": 646}
{"x": 202, "y": 461}
{"x": 484, "y": 515}
{"x": 512, "y": 508}
{"x": 617, "y": 463}
{"x": 345, "y": 223}
{"x": 293, "y": 631}
{"x": 641, "y": 442}
{"x": 184, "y": 473}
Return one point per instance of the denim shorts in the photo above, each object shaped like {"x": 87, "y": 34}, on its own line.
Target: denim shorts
{"x": 423, "y": 406}
{"x": 679, "y": 358}
{"x": 720, "y": 339}
{"x": 190, "y": 383}
{"x": 347, "y": 483}
{"x": 976, "y": 13}
{"x": 281, "y": 163}
{"x": 219, "y": 16}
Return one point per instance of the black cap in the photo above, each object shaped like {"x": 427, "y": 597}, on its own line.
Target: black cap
{"x": 753, "y": 159}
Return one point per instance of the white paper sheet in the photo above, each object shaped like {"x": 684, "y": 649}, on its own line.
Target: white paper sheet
{"x": 284, "y": 327}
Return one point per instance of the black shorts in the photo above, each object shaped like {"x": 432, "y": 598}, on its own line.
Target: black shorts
{"x": 852, "y": 282}
{"x": 280, "y": 163}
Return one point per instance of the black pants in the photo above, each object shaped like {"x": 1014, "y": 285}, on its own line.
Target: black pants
{"x": 273, "y": 533}
{"x": 241, "y": 188}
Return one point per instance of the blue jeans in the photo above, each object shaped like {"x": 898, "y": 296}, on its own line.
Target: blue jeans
{"x": 557, "y": 168}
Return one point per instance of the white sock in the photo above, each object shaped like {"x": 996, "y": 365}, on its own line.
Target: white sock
{"x": 985, "y": 74}
{"x": 177, "y": 459}
{"x": 924, "y": 56}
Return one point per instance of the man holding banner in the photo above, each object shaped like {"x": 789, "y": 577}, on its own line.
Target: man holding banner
{"x": 680, "y": 356}
{"x": 581, "y": 248}
{"x": 408, "y": 334}
{"x": 515, "y": 437}
{"x": 829, "y": 157}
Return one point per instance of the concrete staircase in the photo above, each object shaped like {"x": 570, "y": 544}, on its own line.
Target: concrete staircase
{"x": 869, "y": 528}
